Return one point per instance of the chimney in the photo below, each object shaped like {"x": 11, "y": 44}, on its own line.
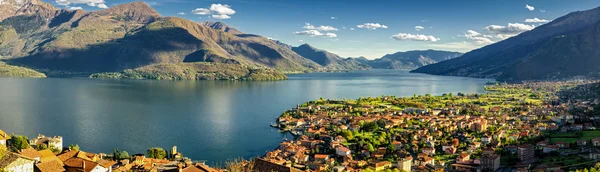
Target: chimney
{"x": 83, "y": 165}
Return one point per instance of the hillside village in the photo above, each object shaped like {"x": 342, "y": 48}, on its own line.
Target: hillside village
{"x": 538, "y": 126}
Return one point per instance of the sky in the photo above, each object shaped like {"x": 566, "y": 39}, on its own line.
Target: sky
{"x": 353, "y": 28}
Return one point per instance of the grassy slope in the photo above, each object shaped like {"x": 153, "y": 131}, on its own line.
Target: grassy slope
{"x": 195, "y": 71}
{"x": 16, "y": 71}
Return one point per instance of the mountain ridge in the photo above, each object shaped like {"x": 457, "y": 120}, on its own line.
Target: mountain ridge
{"x": 505, "y": 60}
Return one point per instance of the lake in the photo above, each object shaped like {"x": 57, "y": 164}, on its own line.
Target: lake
{"x": 206, "y": 120}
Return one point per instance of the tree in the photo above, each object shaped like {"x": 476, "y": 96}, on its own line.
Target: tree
{"x": 116, "y": 154}
{"x": 156, "y": 153}
{"x": 370, "y": 147}
{"x": 41, "y": 147}
{"x": 18, "y": 143}
{"x": 74, "y": 147}
{"x": 124, "y": 155}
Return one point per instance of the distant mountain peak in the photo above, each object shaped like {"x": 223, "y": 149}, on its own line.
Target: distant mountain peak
{"x": 135, "y": 11}
{"x": 9, "y": 8}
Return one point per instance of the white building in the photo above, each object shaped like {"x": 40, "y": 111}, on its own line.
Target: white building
{"x": 52, "y": 142}
{"x": 12, "y": 162}
{"x": 342, "y": 151}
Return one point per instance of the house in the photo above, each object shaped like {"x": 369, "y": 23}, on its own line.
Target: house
{"x": 52, "y": 142}
{"x": 13, "y": 162}
{"x": 321, "y": 158}
{"x": 405, "y": 164}
{"x": 550, "y": 148}
{"x": 31, "y": 153}
{"x": 463, "y": 157}
{"x": 428, "y": 151}
{"x": 342, "y": 151}
{"x": 383, "y": 165}
{"x": 449, "y": 149}
{"x": 562, "y": 144}
{"x": 596, "y": 141}
{"x": 490, "y": 162}
{"x": 79, "y": 164}
{"x": 486, "y": 139}
{"x": 595, "y": 154}
{"x": 3, "y": 137}
{"x": 581, "y": 142}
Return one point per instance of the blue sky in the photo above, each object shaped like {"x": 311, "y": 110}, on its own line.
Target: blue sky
{"x": 352, "y": 28}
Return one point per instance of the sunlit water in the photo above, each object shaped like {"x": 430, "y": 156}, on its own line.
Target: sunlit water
{"x": 206, "y": 120}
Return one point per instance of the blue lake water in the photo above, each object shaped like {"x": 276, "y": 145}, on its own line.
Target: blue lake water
{"x": 206, "y": 120}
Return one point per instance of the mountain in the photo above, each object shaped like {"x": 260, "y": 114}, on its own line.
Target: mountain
{"x": 410, "y": 59}
{"x": 131, "y": 36}
{"x": 10, "y": 8}
{"x": 222, "y": 26}
{"x": 329, "y": 60}
{"x": 563, "y": 48}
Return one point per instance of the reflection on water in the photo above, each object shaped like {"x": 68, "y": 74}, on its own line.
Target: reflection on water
{"x": 207, "y": 120}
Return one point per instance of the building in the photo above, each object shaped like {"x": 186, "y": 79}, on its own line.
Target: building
{"x": 12, "y": 162}
{"x": 490, "y": 162}
{"x": 405, "y": 164}
{"x": 526, "y": 153}
{"x": 52, "y": 142}
{"x": 383, "y": 165}
{"x": 342, "y": 151}
{"x": 3, "y": 138}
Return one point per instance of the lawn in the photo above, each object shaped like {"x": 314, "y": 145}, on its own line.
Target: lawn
{"x": 572, "y": 137}
{"x": 588, "y": 135}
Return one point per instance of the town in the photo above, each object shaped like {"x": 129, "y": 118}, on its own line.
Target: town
{"x": 534, "y": 126}
{"x": 537, "y": 126}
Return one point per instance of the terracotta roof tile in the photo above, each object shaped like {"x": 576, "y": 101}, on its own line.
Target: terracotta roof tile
{"x": 30, "y": 153}
{"x": 52, "y": 166}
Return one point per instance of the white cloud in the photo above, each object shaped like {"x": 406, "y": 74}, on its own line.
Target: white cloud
{"x": 417, "y": 37}
{"x": 331, "y": 35}
{"x": 218, "y": 11}
{"x": 333, "y": 18}
{"x": 536, "y": 20}
{"x": 201, "y": 11}
{"x": 103, "y": 6}
{"x": 372, "y": 26}
{"x": 314, "y": 33}
{"x": 222, "y": 9}
{"x": 300, "y": 40}
{"x": 75, "y": 8}
{"x": 478, "y": 37}
{"x": 92, "y": 3}
{"x": 181, "y": 13}
{"x": 543, "y": 11}
{"x": 352, "y": 28}
{"x": 419, "y": 28}
{"x": 320, "y": 28}
{"x": 462, "y": 46}
{"x": 220, "y": 16}
{"x": 530, "y": 8}
{"x": 511, "y": 28}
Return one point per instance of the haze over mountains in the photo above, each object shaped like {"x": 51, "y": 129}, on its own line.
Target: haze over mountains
{"x": 564, "y": 48}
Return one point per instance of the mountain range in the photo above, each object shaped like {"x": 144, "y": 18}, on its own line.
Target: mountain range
{"x": 37, "y": 35}
{"x": 561, "y": 49}
{"x": 409, "y": 59}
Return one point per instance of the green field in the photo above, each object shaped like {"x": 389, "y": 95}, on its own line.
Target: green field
{"x": 573, "y": 137}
